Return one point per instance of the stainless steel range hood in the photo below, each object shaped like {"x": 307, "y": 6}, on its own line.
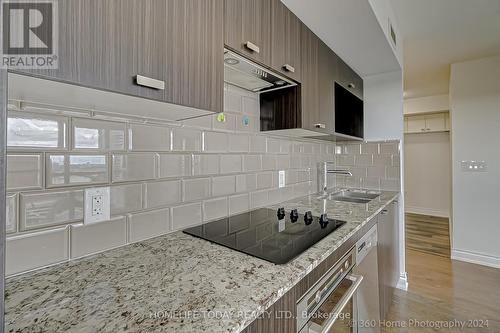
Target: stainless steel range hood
{"x": 246, "y": 74}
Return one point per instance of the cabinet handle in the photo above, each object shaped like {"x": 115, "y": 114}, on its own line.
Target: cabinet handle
{"x": 351, "y": 85}
{"x": 251, "y": 46}
{"x": 423, "y": 129}
{"x": 149, "y": 82}
{"x": 384, "y": 212}
{"x": 320, "y": 125}
{"x": 289, "y": 68}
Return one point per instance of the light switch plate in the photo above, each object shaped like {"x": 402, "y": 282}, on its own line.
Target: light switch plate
{"x": 473, "y": 166}
{"x": 281, "y": 178}
{"x": 97, "y": 205}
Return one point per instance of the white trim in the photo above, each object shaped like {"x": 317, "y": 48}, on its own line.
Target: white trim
{"x": 403, "y": 282}
{"x": 476, "y": 258}
{"x": 427, "y": 211}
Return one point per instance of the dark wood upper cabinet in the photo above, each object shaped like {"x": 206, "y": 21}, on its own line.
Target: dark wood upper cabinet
{"x": 285, "y": 37}
{"x": 327, "y": 72}
{"x": 247, "y": 28}
{"x": 105, "y": 44}
{"x": 311, "y": 118}
{"x": 348, "y": 78}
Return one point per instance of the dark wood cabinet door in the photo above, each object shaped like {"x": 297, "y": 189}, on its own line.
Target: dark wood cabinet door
{"x": 105, "y": 44}
{"x": 310, "y": 82}
{"x": 249, "y": 21}
{"x": 195, "y": 47}
{"x": 327, "y": 72}
{"x": 285, "y": 40}
{"x": 348, "y": 78}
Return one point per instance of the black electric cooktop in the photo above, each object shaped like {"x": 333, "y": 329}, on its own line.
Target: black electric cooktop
{"x": 275, "y": 236}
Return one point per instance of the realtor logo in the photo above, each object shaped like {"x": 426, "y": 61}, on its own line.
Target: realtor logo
{"x": 29, "y": 34}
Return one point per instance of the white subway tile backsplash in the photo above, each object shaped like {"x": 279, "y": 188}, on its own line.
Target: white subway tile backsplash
{"x": 250, "y": 106}
{"x": 369, "y": 148}
{"x": 370, "y": 183}
{"x": 148, "y": 224}
{"x": 11, "y": 213}
{"x": 186, "y": 216}
{"x": 376, "y": 171}
{"x": 396, "y": 160}
{"x": 217, "y": 158}
{"x": 206, "y": 165}
{"x": 50, "y": 208}
{"x": 246, "y": 123}
{"x": 389, "y": 147}
{"x": 215, "y": 209}
{"x": 392, "y": 172}
{"x": 195, "y": 189}
{"x": 258, "y": 144}
{"x": 133, "y": 167}
{"x": 24, "y": 171}
{"x": 269, "y": 162}
{"x": 282, "y": 162}
{"x": 252, "y": 163}
{"x": 382, "y": 160}
{"x": 148, "y": 138}
{"x": 246, "y": 183}
{"x": 199, "y": 122}
{"x": 229, "y": 123}
{"x": 36, "y": 250}
{"x": 239, "y": 203}
{"x": 87, "y": 239}
{"x": 238, "y": 143}
{"x": 273, "y": 145}
{"x": 230, "y": 163}
{"x": 363, "y": 160}
{"x": 390, "y": 184}
{"x": 344, "y": 160}
{"x": 125, "y": 198}
{"x": 76, "y": 169}
{"x": 259, "y": 199}
{"x": 223, "y": 185}
{"x": 215, "y": 142}
{"x": 91, "y": 134}
{"x": 174, "y": 165}
{"x": 36, "y": 131}
{"x": 184, "y": 139}
{"x": 264, "y": 180}
{"x": 158, "y": 194}
{"x": 232, "y": 101}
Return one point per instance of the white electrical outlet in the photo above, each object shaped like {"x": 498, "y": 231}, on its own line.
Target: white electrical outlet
{"x": 473, "y": 166}
{"x": 97, "y": 204}
{"x": 281, "y": 178}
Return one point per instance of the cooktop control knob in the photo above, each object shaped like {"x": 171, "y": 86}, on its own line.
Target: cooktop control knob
{"x": 294, "y": 215}
{"x": 281, "y": 213}
{"x": 308, "y": 218}
{"x": 323, "y": 221}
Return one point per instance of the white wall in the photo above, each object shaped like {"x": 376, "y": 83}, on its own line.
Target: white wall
{"x": 384, "y": 13}
{"x": 383, "y": 106}
{"x": 427, "y": 174}
{"x": 427, "y": 104}
{"x": 475, "y": 123}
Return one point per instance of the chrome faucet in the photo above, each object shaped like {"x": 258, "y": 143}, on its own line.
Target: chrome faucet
{"x": 323, "y": 172}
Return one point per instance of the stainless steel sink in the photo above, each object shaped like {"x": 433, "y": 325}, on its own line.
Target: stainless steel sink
{"x": 354, "y": 196}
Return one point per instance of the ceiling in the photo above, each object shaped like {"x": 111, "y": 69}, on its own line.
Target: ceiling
{"x": 349, "y": 28}
{"x": 438, "y": 33}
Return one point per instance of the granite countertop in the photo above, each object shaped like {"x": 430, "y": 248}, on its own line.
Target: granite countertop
{"x": 171, "y": 283}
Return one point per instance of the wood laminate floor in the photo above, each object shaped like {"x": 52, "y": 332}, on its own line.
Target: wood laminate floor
{"x": 446, "y": 292}
{"x": 429, "y": 234}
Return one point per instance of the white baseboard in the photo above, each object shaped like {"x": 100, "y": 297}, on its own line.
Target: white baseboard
{"x": 427, "y": 211}
{"x": 475, "y": 258}
{"x": 403, "y": 282}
